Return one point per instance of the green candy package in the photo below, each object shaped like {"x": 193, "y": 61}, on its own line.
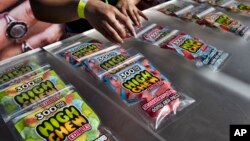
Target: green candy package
{"x": 65, "y": 116}
{"x": 18, "y": 96}
{"x": 15, "y": 70}
{"x": 25, "y": 76}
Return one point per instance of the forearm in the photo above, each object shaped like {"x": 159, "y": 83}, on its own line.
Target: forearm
{"x": 55, "y": 11}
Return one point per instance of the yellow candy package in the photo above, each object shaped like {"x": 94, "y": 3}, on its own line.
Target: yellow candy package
{"x": 65, "y": 116}
{"x": 31, "y": 90}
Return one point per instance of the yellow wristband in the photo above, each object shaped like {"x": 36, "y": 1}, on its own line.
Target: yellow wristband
{"x": 81, "y": 8}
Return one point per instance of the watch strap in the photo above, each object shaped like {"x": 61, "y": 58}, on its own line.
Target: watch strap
{"x": 8, "y": 18}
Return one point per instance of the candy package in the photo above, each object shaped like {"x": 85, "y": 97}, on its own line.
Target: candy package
{"x": 28, "y": 91}
{"x": 25, "y": 76}
{"x": 223, "y": 21}
{"x": 18, "y": 69}
{"x": 138, "y": 82}
{"x": 76, "y": 53}
{"x": 65, "y": 116}
{"x": 196, "y": 13}
{"x": 154, "y": 34}
{"x": 196, "y": 49}
{"x": 237, "y": 7}
{"x": 107, "y": 59}
{"x": 175, "y": 9}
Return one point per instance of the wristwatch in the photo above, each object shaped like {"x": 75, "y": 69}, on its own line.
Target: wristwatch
{"x": 15, "y": 29}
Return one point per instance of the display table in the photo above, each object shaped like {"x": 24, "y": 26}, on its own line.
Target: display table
{"x": 222, "y": 98}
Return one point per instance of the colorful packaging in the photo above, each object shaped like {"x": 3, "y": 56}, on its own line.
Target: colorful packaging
{"x": 134, "y": 79}
{"x": 171, "y": 9}
{"x": 66, "y": 118}
{"x": 106, "y": 60}
{"x": 155, "y": 33}
{"x": 24, "y": 77}
{"x": 77, "y": 53}
{"x": 196, "y": 49}
{"x": 29, "y": 91}
{"x": 138, "y": 81}
{"x": 222, "y": 21}
{"x": 238, "y": 7}
{"x": 16, "y": 70}
{"x": 196, "y": 13}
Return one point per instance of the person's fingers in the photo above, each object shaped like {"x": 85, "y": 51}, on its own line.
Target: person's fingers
{"x": 10, "y": 51}
{"x": 24, "y": 13}
{"x": 116, "y": 26}
{"x": 142, "y": 14}
{"x": 112, "y": 33}
{"x": 21, "y": 13}
{"x": 126, "y": 21}
{"x": 48, "y": 36}
{"x": 133, "y": 17}
{"x": 124, "y": 11}
{"x": 37, "y": 28}
{"x": 104, "y": 33}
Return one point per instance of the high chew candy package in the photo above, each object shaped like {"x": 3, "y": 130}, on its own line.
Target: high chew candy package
{"x": 154, "y": 33}
{"x": 223, "y": 21}
{"x": 175, "y": 9}
{"x": 195, "y": 13}
{"x": 25, "y": 76}
{"x": 76, "y": 53}
{"x": 18, "y": 96}
{"x": 235, "y": 6}
{"x": 15, "y": 70}
{"x": 196, "y": 49}
{"x": 66, "y": 117}
{"x": 138, "y": 82}
{"x": 107, "y": 59}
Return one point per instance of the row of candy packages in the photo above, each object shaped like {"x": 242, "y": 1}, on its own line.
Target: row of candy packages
{"x": 204, "y": 14}
{"x": 131, "y": 76}
{"x": 231, "y": 5}
{"x": 37, "y": 105}
{"x": 138, "y": 83}
{"x": 190, "y": 47}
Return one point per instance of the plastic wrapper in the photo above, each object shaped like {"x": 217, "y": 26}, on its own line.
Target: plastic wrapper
{"x": 65, "y": 116}
{"x": 176, "y": 9}
{"x": 196, "y": 49}
{"x": 27, "y": 92}
{"x": 18, "y": 69}
{"x": 223, "y": 21}
{"x": 196, "y": 13}
{"x": 138, "y": 82}
{"x": 25, "y": 76}
{"x": 76, "y": 53}
{"x": 236, "y": 6}
{"x": 154, "y": 33}
{"x": 107, "y": 59}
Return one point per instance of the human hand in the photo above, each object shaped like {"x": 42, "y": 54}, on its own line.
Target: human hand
{"x": 107, "y": 20}
{"x": 128, "y": 8}
{"x": 39, "y": 33}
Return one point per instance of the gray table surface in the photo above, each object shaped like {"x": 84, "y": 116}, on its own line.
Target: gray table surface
{"x": 222, "y": 98}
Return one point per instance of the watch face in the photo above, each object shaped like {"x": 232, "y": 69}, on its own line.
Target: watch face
{"x": 16, "y": 30}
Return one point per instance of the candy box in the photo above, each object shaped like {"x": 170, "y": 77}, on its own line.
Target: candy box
{"x": 17, "y": 70}
{"x": 68, "y": 118}
{"x": 28, "y": 92}
{"x": 77, "y": 53}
